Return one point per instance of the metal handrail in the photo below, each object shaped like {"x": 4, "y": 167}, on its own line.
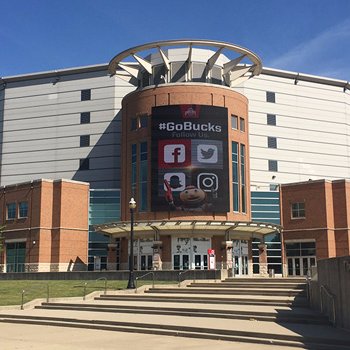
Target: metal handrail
{"x": 24, "y": 291}
{"x": 86, "y": 283}
{"x": 146, "y": 274}
{"x": 103, "y": 279}
{"x": 330, "y": 296}
{"x": 181, "y": 273}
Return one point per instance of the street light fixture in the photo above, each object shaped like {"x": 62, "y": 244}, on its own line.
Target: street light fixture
{"x": 131, "y": 283}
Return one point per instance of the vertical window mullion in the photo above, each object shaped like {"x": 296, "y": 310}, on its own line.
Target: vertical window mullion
{"x": 133, "y": 169}
{"x": 235, "y": 174}
{"x": 143, "y": 175}
{"x": 243, "y": 178}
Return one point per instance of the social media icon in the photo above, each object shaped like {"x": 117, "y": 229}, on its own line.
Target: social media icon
{"x": 176, "y": 181}
{"x": 207, "y": 153}
{"x": 174, "y": 154}
{"x": 208, "y": 182}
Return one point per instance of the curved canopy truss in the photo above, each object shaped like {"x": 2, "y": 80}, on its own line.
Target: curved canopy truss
{"x": 174, "y": 61}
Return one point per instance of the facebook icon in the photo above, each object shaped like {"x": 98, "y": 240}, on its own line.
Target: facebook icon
{"x": 174, "y": 154}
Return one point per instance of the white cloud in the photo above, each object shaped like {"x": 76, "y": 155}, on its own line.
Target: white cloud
{"x": 324, "y": 53}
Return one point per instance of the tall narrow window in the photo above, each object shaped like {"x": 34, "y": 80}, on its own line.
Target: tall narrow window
{"x": 234, "y": 122}
{"x": 270, "y": 96}
{"x": 143, "y": 176}
{"x": 84, "y": 164}
{"x": 241, "y": 124}
{"x": 273, "y": 165}
{"x": 243, "y": 184}
{"x": 84, "y": 140}
{"x": 271, "y": 119}
{"x": 85, "y": 118}
{"x": 133, "y": 169}
{"x": 133, "y": 125}
{"x": 272, "y": 142}
{"x": 235, "y": 170}
{"x": 86, "y": 95}
{"x": 143, "y": 121}
{"x": 22, "y": 209}
{"x": 11, "y": 211}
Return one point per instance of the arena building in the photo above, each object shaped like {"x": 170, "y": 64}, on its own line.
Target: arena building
{"x": 198, "y": 132}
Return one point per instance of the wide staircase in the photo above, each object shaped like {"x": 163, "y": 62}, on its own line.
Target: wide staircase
{"x": 261, "y": 311}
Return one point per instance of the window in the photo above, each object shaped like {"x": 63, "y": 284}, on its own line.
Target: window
{"x": 271, "y": 119}
{"x": 178, "y": 72}
{"x": 86, "y": 95}
{"x": 241, "y": 124}
{"x": 272, "y": 142}
{"x": 234, "y": 122}
{"x": 273, "y": 187}
{"x": 143, "y": 121}
{"x": 133, "y": 169}
{"x": 84, "y": 140}
{"x": 11, "y": 211}
{"x": 85, "y": 118}
{"x": 235, "y": 176}
{"x": 300, "y": 248}
{"x": 143, "y": 176}
{"x": 84, "y": 164}
{"x": 243, "y": 189}
{"x": 23, "y": 209}
{"x": 273, "y": 166}
{"x": 159, "y": 74}
{"x": 298, "y": 210}
{"x": 270, "y": 97}
{"x": 133, "y": 124}
{"x": 216, "y": 75}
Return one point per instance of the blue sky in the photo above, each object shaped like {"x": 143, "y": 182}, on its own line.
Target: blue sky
{"x": 308, "y": 36}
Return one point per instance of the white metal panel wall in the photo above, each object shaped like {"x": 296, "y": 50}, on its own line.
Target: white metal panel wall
{"x": 41, "y": 129}
{"x": 312, "y": 130}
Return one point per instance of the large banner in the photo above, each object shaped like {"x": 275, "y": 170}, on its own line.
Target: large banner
{"x": 189, "y": 158}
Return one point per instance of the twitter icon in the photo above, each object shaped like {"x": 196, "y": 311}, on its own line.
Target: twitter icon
{"x": 207, "y": 153}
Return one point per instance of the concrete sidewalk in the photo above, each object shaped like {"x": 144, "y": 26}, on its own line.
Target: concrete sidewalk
{"x": 28, "y": 337}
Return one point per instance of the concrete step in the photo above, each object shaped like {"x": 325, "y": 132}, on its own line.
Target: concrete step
{"x": 309, "y": 336}
{"x": 230, "y": 291}
{"x": 289, "y": 286}
{"x": 281, "y": 316}
{"x": 209, "y": 299}
{"x": 267, "y": 280}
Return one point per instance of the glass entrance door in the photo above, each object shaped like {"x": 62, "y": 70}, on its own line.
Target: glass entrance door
{"x": 201, "y": 262}
{"x": 299, "y": 266}
{"x": 181, "y": 262}
{"x": 240, "y": 258}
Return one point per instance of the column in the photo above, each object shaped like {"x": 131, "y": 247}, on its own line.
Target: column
{"x": 157, "y": 256}
{"x": 263, "y": 260}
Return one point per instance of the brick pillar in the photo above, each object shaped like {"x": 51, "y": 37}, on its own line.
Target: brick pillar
{"x": 157, "y": 255}
{"x": 112, "y": 256}
{"x": 263, "y": 260}
{"x": 227, "y": 263}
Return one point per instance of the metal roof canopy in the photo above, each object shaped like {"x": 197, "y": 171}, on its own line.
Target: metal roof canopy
{"x": 234, "y": 229}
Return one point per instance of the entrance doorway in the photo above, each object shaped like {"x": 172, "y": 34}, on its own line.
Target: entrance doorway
{"x": 15, "y": 256}
{"x": 301, "y": 256}
{"x": 240, "y": 258}
{"x": 190, "y": 253}
{"x": 299, "y": 266}
{"x": 181, "y": 261}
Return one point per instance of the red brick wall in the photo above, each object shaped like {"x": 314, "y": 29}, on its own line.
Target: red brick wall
{"x": 56, "y": 229}
{"x": 327, "y": 215}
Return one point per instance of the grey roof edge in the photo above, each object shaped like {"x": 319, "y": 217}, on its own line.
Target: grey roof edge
{"x": 56, "y": 72}
{"x": 297, "y": 76}
{"x": 100, "y": 67}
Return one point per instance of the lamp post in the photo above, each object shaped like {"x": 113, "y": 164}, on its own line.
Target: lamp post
{"x": 131, "y": 283}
